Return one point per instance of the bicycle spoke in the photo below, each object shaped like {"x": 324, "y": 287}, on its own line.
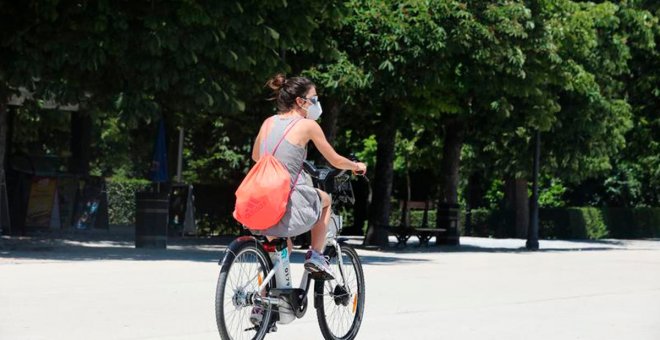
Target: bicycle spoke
{"x": 232, "y": 319}
{"x": 242, "y": 271}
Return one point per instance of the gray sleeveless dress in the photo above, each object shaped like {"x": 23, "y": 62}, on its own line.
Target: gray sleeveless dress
{"x": 304, "y": 207}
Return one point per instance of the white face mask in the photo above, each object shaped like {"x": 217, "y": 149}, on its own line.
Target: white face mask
{"x": 314, "y": 111}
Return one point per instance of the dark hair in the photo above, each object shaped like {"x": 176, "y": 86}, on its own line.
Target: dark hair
{"x": 287, "y": 90}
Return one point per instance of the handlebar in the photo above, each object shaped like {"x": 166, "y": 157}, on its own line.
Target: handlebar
{"x": 327, "y": 171}
{"x": 333, "y": 181}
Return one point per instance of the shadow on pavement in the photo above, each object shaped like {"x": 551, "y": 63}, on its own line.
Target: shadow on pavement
{"x": 367, "y": 259}
{"x": 484, "y": 245}
{"x": 70, "y": 250}
{"x": 109, "y": 245}
{"x": 99, "y": 247}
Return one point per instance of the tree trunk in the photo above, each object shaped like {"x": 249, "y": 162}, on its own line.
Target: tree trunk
{"x": 329, "y": 122}
{"x": 522, "y": 208}
{"x": 504, "y": 229}
{"x": 4, "y": 99}
{"x": 405, "y": 216}
{"x": 81, "y": 126}
{"x": 329, "y": 126}
{"x": 360, "y": 208}
{"x": 509, "y": 193}
{"x": 3, "y": 136}
{"x": 447, "y": 210}
{"x": 473, "y": 200}
{"x": 5, "y": 226}
{"x": 451, "y": 157}
{"x": 382, "y": 185}
{"x": 517, "y": 201}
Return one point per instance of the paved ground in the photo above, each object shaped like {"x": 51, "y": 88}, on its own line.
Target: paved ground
{"x": 99, "y": 287}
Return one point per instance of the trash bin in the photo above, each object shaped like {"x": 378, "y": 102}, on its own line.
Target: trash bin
{"x": 448, "y": 219}
{"x": 151, "y": 218}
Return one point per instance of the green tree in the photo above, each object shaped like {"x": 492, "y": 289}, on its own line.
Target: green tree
{"x": 496, "y": 54}
{"x": 581, "y": 64}
{"x": 392, "y": 44}
{"x": 634, "y": 175}
{"x": 641, "y": 158}
{"x": 455, "y": 66}
{"x": 185, "y": 61}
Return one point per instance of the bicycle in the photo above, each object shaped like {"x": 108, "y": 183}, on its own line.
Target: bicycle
{"x": 255, "y": 273}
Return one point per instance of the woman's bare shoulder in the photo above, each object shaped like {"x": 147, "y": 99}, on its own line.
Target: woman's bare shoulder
{"x": 266, "y": 121}
{"x": 308, "y": 124}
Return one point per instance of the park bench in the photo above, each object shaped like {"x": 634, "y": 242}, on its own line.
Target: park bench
{"x": 406, "y": 229}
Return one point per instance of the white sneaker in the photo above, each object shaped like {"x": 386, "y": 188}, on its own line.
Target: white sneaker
{"x": 318, "y": 265}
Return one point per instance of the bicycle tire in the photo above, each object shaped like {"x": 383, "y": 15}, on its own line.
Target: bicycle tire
{"x": 330, "y": 299}
{"x": 262, "y": 265}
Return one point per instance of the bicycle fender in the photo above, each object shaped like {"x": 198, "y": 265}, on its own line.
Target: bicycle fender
{"x": 234, "y": 246}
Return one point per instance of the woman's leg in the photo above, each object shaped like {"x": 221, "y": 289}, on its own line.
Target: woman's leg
{"x": 320, "y": 229}
{"x": 289, "y": 244}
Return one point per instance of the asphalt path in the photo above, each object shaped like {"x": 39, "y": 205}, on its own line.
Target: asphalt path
{"x": 78, "y": 288}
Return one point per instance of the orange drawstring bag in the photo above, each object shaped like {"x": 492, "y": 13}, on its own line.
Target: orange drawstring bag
{"x": 262, "y": 197}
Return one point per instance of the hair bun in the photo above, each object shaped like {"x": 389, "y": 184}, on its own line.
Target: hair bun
{"x": 276, "y": 82}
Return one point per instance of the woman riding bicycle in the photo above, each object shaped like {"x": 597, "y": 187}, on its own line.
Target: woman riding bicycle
{"x": 308, "y": 208}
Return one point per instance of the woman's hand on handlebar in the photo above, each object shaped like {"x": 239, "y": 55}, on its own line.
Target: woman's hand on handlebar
{"x": 360, "y": 168}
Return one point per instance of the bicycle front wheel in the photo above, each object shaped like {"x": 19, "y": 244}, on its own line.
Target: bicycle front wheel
{"x": 239, "y": 278}
{"x": 340, "y": 305}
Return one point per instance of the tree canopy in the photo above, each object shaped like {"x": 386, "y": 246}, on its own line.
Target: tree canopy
{"x": 446, "y": 88}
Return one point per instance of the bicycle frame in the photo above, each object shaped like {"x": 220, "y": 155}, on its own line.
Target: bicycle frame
{"x": 280, "y": 268}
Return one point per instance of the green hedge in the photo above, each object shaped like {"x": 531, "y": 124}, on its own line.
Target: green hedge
{"x": 121, "y": 198}
{"x": 597, "y": 223}
{"x": 557, "y": 223}
{"x": 572, "y": 223}
{"x": 633, "y": 223}
{"x": 487, "y": 223}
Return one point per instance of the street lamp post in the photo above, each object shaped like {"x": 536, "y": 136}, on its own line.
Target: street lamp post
{"x": 533, "y": 230}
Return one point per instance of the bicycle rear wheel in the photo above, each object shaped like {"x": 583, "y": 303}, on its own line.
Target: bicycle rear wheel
{"x": 339, "y": 307}
{"x": 239, "y": 278}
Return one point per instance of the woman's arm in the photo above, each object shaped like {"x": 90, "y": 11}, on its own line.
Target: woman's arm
{"x": 336, "y": 160}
